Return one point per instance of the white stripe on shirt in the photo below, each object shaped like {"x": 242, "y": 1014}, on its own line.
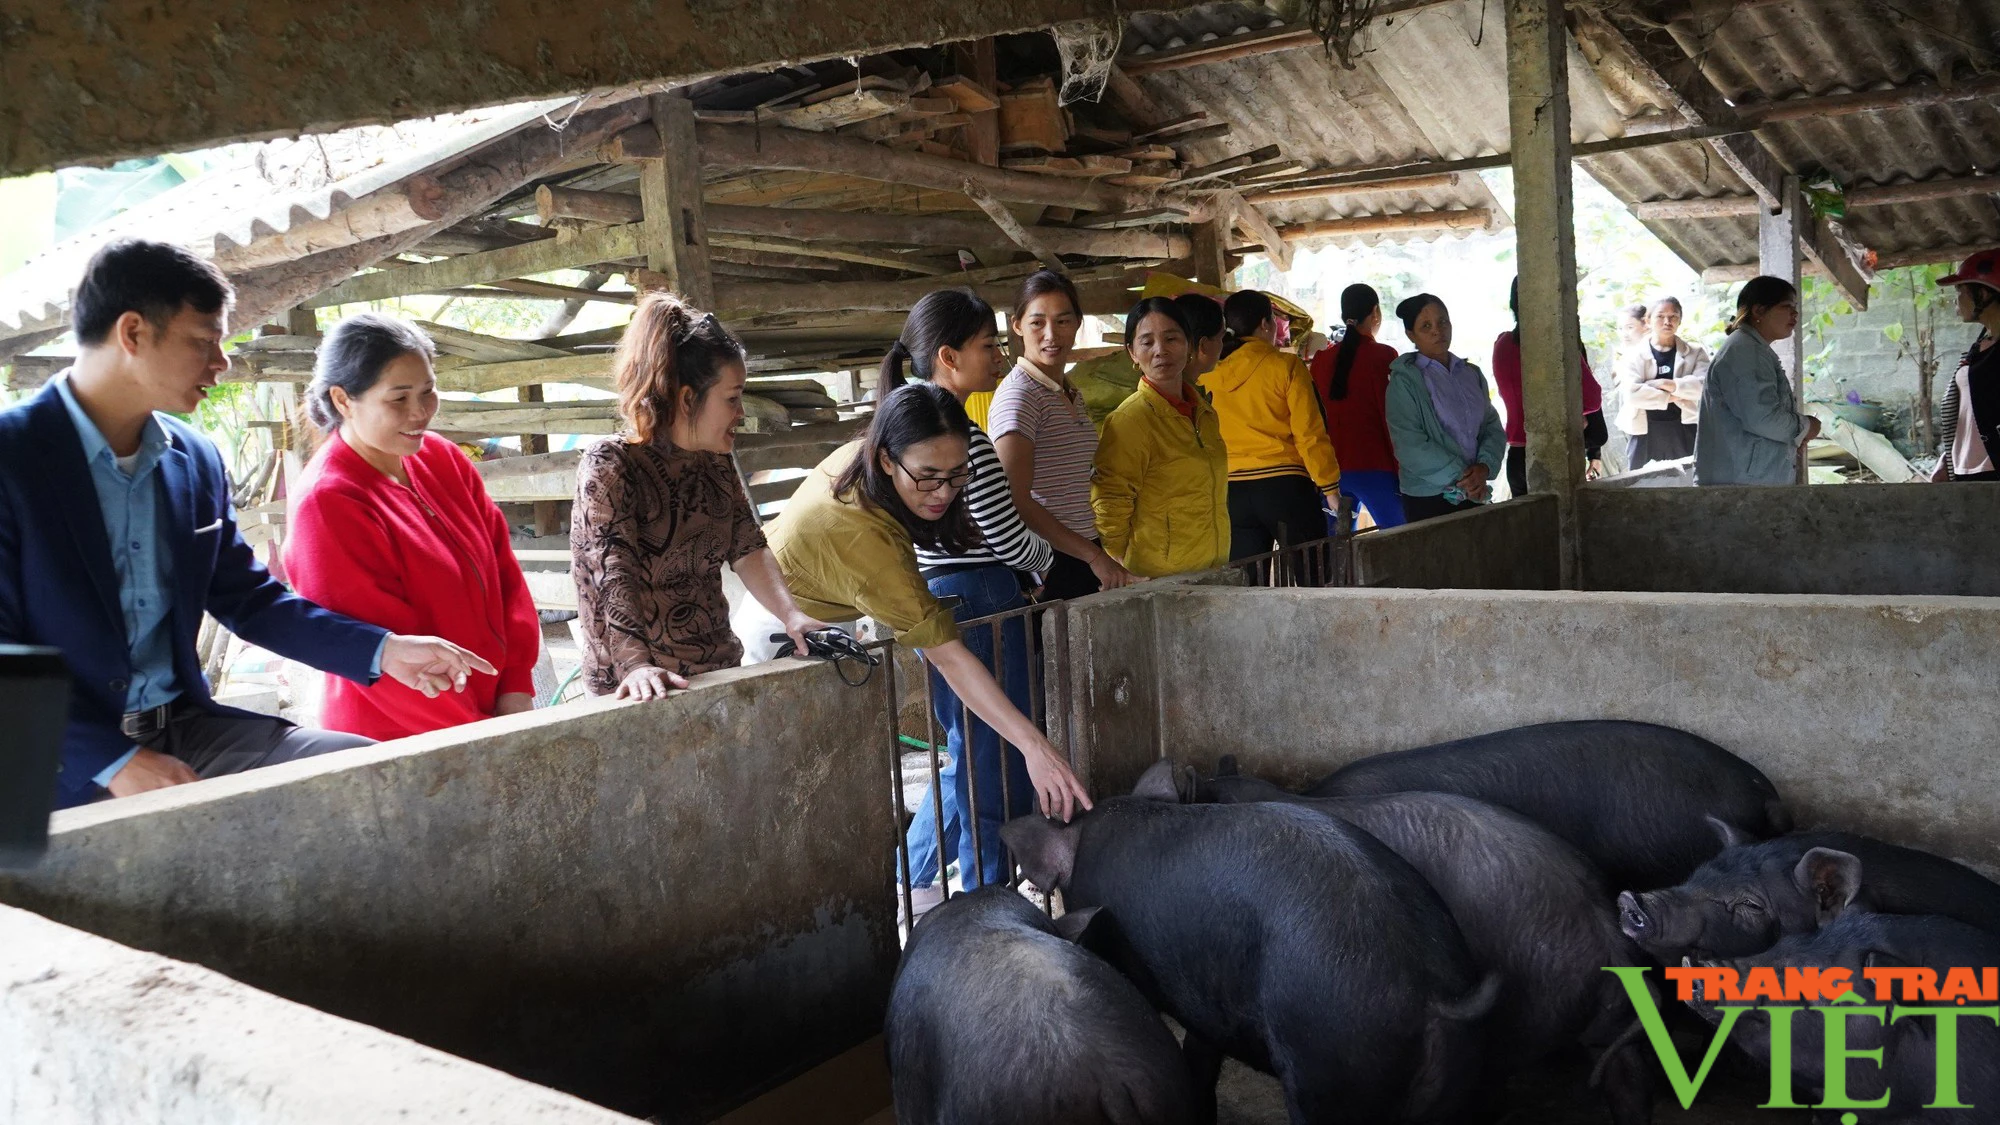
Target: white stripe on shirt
{"x": 1008, "y": 540}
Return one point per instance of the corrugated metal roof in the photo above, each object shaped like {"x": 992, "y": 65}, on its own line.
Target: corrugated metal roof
{"x": 237, "y": 205}
{"x": 1432, "y": 85}
{"x": 1831, "y": 47}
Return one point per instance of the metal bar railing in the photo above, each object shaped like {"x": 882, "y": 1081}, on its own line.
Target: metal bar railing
{"x": 1322, "y": 562}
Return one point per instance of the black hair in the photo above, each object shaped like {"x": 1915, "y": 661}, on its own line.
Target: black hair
{"x": 153, "y": 279}
{"x": 1413, "y": 307}
{"x": 1761, "y": 292}
{"x": 947, "y": 318}
{"x": 1633, "y": 312}
{"x": 1356, "y": 302}
{"x": 1204, "y": 316}
{"x": 1164, "y": 306}
{"x": 352, "y": 358}
{"x": 912, "y": 413}
{"x": 1514, "y": 301}
{"x": 1040, "y": 284}
{"x": 1243, "y": 313}
{"x": 1667, "y": 300}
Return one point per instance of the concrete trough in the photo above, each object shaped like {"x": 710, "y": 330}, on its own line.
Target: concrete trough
{"x": 663, "y": 908}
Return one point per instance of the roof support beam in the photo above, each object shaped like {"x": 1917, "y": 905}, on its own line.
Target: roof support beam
{"x": 1545, "y": 246}
{"x": 736, "y": 147}
{"x": 675, "y": 218}
{"x": 1732, "y": 206}
{"x": 1655, "y": 61}
{"x": 585, "y": 248}
{"x": 1778, "y": 255}
{"x": 1270, "y": 40}
{"x": 1914, "y": 95}
{"x": 1456, "y": 221}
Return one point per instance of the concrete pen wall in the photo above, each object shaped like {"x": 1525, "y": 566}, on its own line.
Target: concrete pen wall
{"x": 91, "y": 1032}
{"x": 1509, "y": 546}
{"x": 1846, "y": 539}
{"x": 662, "y": 907}
{"x": 1873, "y": 714}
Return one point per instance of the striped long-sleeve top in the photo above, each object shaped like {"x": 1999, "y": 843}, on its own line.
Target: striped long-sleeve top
{"x": 1007, "y": 540}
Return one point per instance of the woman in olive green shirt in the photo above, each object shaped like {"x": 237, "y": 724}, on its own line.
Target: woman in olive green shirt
{"x": 846, "y": 543}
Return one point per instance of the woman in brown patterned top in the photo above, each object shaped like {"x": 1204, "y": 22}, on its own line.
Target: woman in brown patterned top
{"x": 659, "y": 511}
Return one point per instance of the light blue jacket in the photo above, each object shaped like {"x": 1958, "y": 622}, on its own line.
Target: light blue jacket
{"x": 1750, "y": 423}
{"x": 1427, "y": 459}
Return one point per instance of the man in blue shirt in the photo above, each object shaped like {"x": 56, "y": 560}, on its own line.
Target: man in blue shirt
{"x": 117, "y": 534}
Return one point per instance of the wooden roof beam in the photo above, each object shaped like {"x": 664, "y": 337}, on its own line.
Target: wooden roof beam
{"x": 945, "y": 231}
{"x": 1249, "y": 44}
{"x": 738, "y": 147}
{"x": 1454, "y": 221}
{"x": 1730, "y": 206}
{"x": 1912, "y": 96}
{"x": 585, "y": 248}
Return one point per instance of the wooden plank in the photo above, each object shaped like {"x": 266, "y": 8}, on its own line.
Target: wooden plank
{"x": 980, "y": 138}
{"x": 969, "y": 94}
{"x": 730, "y": 147}
{"x": 1233, "y": 163}
{"x": 823, "y": 250}
{"x": 592, "y": 370}
{"x": 552, "y": 476}
{"x": 1883, "y": 195}
{"x": 584, "y": 248}
{"x": 1457, "y": 221}
{"x": 503, "y": 418}
{"x": 478, "y": 347}
{"x": 1256, "y": 227}
{"x": 826, "y": 116}
{"x": 1265, "y": 41}
{"x": 952, "y": 231}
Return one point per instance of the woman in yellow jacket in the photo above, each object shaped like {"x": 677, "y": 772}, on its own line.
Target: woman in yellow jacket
{"x": 1283, "y": 476}
{"x": 1161, "y": 488}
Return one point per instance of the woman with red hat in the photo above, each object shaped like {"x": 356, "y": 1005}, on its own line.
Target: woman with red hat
{"x": 1970, "y": 426}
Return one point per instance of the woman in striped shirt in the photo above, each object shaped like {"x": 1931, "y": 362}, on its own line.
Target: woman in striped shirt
{"x": 1047, "y": 442}
{"x": 950, "y": 340}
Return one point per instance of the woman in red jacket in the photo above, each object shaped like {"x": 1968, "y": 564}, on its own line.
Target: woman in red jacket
{"x": 1353, "y": 383}
{"x": 393, "y": 526}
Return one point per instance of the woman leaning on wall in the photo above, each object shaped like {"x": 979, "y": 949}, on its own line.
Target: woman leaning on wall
{"x": 393, "y": 526}
{"x": 660, "y": 511}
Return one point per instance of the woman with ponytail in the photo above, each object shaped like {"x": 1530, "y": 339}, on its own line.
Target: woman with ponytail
{"x": 1282, "y": 468}
{"x": 1751, "y": 430}
{"x": 660, "y": 510}
{"x": 393, "y": 526}
{"x": 951, "y": 341}
{"x": 1352, "y": 379}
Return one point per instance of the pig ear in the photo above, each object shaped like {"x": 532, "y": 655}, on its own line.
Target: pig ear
{"x": 1730, "y": 835}
{"x": 1830, "y": 878}
{"x": 1225, "y": 766}
{"x": 1045, "y": 849}
{"x": 1158, "y": 784}
{"x": 1075, "y": 924}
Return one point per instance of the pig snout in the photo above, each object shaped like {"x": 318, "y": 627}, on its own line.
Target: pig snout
{"x": 1633, "y": 918}
{"x": 1659, "y": 921}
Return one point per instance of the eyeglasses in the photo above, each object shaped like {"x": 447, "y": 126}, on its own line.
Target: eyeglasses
{"x": 955, "y": 480}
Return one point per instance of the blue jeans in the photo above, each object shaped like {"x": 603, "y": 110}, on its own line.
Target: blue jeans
{"x": 985, "y": 590}
{"x": 1375, "y": 490}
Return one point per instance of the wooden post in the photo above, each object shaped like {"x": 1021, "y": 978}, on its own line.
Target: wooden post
{"x": 548, "y": 517}
{"x": 1211, "y": 252}
{"x": 670, "y": 191}
{"x": 976, "y": 61}
{"x": 1545, "y": 246}
{"x": 1780, "y": 254}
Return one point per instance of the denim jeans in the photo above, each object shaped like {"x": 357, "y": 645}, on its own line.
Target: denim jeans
{"x": 985, "y": 590}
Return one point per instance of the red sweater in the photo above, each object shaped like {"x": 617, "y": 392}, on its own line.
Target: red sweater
{"x": 432, "y": 559}
{"x": 1507, "y": 376}
{"x": 1359, "y": 422}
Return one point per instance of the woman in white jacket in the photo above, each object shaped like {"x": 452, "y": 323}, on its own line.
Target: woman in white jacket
{"x": 1660, "y": 382}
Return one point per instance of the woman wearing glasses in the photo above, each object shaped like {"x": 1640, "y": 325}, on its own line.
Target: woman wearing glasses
{"x": 950, "y": 341}
{"x": 659, "y": 512}
{"x": 848, "y": 541}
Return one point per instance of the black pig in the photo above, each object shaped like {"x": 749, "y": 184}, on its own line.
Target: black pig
{"x": 1283, "y": 938}
{"x": 1531, "y": 907}
{"x": 1744, "y": 900}
{"x": 1907, "y": 1072}
{"x": 998, "y": 1019}
{"x": 1646, "y": 803}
